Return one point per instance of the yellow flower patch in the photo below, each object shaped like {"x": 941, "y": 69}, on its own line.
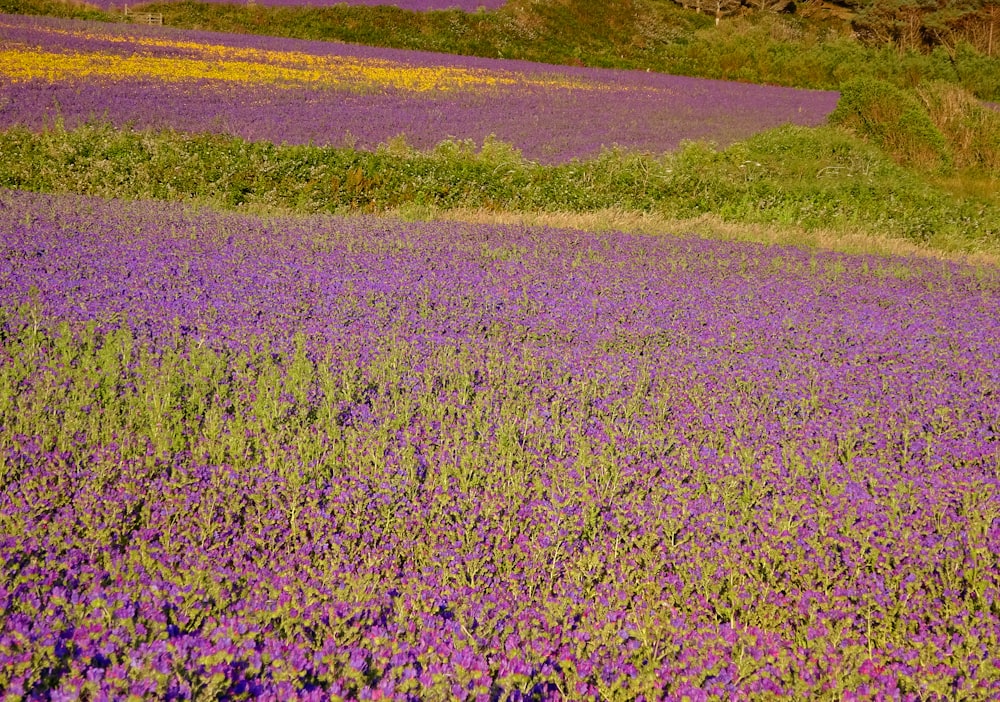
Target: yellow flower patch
{"x": 198, "y": 61}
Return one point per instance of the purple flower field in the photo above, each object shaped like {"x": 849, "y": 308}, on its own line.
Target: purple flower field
{"x": 552, "y": 114}
{"x": 318, "y": 458}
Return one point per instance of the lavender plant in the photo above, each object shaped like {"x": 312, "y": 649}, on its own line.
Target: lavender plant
{"x": 322, "y": 457}
{"x": 271, "y": 89}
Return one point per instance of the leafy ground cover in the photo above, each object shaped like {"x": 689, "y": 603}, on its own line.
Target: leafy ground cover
{"x": 320, "y": 456}
{"x": 289, "y": 91}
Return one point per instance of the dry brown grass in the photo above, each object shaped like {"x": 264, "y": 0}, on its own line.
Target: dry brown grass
{"x": 972, "y": 130}
{"x": 966, "y": 184}
{"x": 83, "y": 4}
{"x": 712, "y": 227}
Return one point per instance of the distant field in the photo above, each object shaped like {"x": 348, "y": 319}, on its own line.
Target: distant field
{"x": 300, "y": 92}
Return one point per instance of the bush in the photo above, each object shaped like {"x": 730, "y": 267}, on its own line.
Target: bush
{"x": 977, "y": 73}
{"x": 895, "y": 121}
{"x": 972, "y": 130}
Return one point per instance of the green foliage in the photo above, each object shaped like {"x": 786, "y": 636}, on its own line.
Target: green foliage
{"x": 895, "y": 22}
{"x": 895, "y": 121}
{"x": 825, "y": 178}
{"x": 977, "y": 73}
{"x": 923, "y": 24}
{"x": 814, "y": 178}
{"x": 55, "y": 8}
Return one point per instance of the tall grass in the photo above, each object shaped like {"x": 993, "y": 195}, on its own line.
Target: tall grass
{"x": 937, "y": 128}
{"x": 811, "y": 178}
{"x": 895, "y": 121}
{"x": 972, "y": 131}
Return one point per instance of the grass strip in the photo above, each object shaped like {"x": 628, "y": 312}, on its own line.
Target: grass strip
{"x": 811, "y": 178}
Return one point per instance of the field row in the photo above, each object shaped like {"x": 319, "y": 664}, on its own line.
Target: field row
{"x": 305, "y": 457}
{"x": 297, "y": 92}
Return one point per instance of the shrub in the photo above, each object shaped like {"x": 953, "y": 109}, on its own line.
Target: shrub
{"x": 977, "y": 73}
{"x": 895, "y": 121}
{"x": 972, "y": 130}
